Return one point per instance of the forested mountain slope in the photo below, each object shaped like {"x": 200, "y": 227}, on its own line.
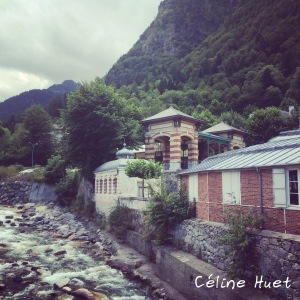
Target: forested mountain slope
{"x": 18, "y": 104}
{"x": 220, "y": 54}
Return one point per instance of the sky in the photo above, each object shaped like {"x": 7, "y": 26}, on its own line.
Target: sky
{"x": 44, "y": 42}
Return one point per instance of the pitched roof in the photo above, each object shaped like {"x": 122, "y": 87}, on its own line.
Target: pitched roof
{"x": 169, "y": 113}
{"x": 221, "y": 127}
{"x": 280, "y": 153}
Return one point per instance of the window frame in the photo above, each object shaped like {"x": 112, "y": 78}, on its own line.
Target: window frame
{"x": 288, "y": 191}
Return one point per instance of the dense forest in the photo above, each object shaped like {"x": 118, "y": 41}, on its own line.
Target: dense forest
{"x": 221, "y": 55}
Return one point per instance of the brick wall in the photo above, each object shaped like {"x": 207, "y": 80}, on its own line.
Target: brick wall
{"x": 210, "y": 206}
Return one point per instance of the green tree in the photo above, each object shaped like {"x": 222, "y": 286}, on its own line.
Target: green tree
{"x": 143, "y": 169}
{"x": 234, "y": 119}
{"x": 164, "y": 211}
{"x": 55, "y": 169}
{"x": 39, "y": 126}
{"x": 97, "y": 120}
{"x": 5, "y": 137}
{"x": 266, "y": 123}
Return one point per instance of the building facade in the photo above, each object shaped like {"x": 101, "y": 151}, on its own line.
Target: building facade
{"x": 113, "y": 186}
{"x": 173, "y": 138}
{"x": 264, "y": 177}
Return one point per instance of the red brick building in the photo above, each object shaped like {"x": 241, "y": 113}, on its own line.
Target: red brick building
{"x": 265, "y": 177}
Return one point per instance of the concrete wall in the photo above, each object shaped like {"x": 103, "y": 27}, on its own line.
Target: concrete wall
{"x": 183, "y": 271}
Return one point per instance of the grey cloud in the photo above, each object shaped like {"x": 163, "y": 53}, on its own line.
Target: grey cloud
{"x": 54, "y": 40}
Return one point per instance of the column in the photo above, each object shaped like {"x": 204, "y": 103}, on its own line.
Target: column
{"x": 193, "y": 152}
{"x": 175, "y": 152}
{"x": 149, "y": 148}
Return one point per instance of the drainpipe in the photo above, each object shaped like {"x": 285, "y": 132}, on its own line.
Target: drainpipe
{"x": 261, "y": 208}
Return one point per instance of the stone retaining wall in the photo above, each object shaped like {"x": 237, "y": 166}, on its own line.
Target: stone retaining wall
{"x": 276, "y": 256}
{"x": 12, "y": 192}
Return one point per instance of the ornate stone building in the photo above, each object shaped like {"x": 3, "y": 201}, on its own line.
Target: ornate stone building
{"x": 173, "y": 138}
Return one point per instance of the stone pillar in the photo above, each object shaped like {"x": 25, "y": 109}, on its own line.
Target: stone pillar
{"x": 175, "y": 152}
{"x": 149, "y": 148}
{"x": 193, "y": 152}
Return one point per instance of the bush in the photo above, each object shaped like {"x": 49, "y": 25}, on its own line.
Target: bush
{"x": 119, "y": 220}
{"x": 35, "y": 175}
{"x": 238, "y": 238}
{"x": 55, "y": 169}
{"x": 66, "y": 189}
{"x": 164, "y": 212}
{"x": 8, "y": 172}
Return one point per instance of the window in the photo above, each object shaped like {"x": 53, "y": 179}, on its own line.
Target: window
{"x": 286, "y": 187}
{"x": 97, "y": 187}
{"x": 109, "y": 186}
{"x": 101, "y": 186}
{"x": 105, "y": 186}
{"x": 115, "y": 185}
{"x": 294, "y": 187}
{"x": 231, "y": 187}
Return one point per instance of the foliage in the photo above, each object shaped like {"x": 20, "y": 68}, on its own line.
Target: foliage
{"x": 238, "y": 238}
{"x": 165, "y": 210}
{"x": 8, "y": 172}
{"x": 97, "y": 121}
{"x": 222, "y": 68}
{"x": 119, "y": 219}
{"x": 143, "y": 169}
{"x": 39, "y": 126}
{"x": 55, "y": 169}
{"x": 67, "y": 187}
{"x": 36, "y": 175}
{"x": 266, "y": 123}
{"x": 56, "y": 104}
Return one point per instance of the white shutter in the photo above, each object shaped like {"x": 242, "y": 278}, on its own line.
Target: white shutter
{"x": 279, "y": 187}
{"x": 231, "y": 187}
{"x": 236, "y": 187}
{"x": 226, "y": 187}
{"x": 193, "y": 187}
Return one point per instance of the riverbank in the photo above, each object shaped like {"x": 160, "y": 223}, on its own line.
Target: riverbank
{"x": 67, "y": 238}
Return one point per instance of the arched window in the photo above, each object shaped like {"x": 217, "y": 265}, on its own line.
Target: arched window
{"x": 115, "y": 185}
{"x": 109, "y": 186}
{"x": 97, "y": 188}
{"x": 105, "y": 186}
{"x": 101, "y": 186}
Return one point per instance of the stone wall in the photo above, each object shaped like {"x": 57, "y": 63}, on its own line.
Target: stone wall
{"x": 276, "y": 256}
{"x": 14, "y": 192}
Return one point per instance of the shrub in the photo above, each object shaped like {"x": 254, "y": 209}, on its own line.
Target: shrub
{"x": 119, "y": 220}
{"x": 55, "y": 169}
{"x": 8, "y": 172}
{"x": 164, "y": 212}
{"x": 66, "y": 189}
{"x": 35, "y": 175}
{"x": 238, "y": 238}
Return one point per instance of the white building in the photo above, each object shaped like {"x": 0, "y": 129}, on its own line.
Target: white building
{"x": 113, "y": 185}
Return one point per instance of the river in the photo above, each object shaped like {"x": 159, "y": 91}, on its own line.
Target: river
{"x": 36, "y": 263}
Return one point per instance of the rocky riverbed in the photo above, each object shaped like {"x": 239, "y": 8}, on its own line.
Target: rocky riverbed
{"x": 47, "y": 253}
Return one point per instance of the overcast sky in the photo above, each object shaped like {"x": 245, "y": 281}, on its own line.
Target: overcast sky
{"x": 44, "y": 42}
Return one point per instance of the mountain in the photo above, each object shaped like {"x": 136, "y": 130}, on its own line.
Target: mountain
{"x": 228, "y": 54}
{"x": 20, "y": 103}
